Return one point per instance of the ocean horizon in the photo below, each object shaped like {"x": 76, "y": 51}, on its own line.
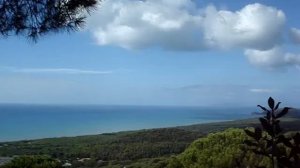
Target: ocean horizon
{"x": 25, "y": 122}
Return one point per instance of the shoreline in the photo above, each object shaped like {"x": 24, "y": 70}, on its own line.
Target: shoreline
{"x": 216, "y": 122}
{"x": 172, "y": 140}
{"x": 106, "y": 133}
{"x": 201, "y": 127}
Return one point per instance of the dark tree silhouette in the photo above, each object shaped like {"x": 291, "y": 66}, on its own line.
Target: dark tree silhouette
{"x": 283, "y": 150}
{"x": 33, "y": 18}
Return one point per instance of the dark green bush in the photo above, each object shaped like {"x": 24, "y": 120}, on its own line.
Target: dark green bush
{"x": 33, "y": 162}
{"x": 282, "y": 150}
{"x": 218, "y": 150}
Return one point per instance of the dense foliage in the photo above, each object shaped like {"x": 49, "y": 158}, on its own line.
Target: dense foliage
{"x": 161, "y": 162}
{"x": 33, "y": 18}
{"x": 222, "y": 150}
{"x": 119, "y": 146}
{"x": 283, "y": 150}
{"x": 33, "y": 162}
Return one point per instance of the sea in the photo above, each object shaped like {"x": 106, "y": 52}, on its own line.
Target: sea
{"x": 25, "y": 122}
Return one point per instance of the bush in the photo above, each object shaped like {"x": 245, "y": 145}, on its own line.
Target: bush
{"x": 33, "y": 162}
{"x": 222, "y": 150}
{"x": 270, "y": 140}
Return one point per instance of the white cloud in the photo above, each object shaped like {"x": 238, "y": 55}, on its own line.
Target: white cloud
{"x": 261, "y": 90}
{"x": 272, "y": 58}
{"x": 268, "y": 58}
{"x": 56, "y": 71}
{"x": 181, "y": 25}
{"x": 295, "y": 35}
{"x": 140, "y": 24}
{"x": 255, "y": 26}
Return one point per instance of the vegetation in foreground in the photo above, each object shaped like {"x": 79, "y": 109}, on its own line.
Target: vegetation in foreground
{"x": 270, "y": 141}
{"x": 33, "y": 18}
{"x": 222, "y": 149}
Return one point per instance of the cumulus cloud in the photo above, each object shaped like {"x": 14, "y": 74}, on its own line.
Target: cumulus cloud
{"x": 272, "y": 58}
{"x": 266, "y": 58}
{"x": 181, "y": 25}
{"x": 295, "y": 35}
{"x": 246, "y": 28}
{"x": 140, "y": 24}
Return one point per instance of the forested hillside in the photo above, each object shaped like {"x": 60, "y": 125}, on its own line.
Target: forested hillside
{"x": 150, "y": 148}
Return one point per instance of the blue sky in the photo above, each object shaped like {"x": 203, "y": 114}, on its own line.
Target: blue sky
{"x": 162, "y": 52}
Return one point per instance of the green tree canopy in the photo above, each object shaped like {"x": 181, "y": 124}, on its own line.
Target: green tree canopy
{"x": 222, "y": 150}
{"x": 33, "y": 18}
{"x": 33, "y": 162}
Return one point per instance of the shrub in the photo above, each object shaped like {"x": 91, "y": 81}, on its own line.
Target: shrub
{"x": 33, "y": 162}
{"x": 222, "y": 150}
{"x": 282, "y": 150}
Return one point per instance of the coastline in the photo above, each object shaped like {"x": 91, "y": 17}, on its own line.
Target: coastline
{"x": 37, "y": 122}
{"x": 183, "y": 126}
{"x": 160, "y": 142}
{"x": 203, "y": 128}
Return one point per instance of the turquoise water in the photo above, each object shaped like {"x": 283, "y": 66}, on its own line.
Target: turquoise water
{"x": 40, "y": 121}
